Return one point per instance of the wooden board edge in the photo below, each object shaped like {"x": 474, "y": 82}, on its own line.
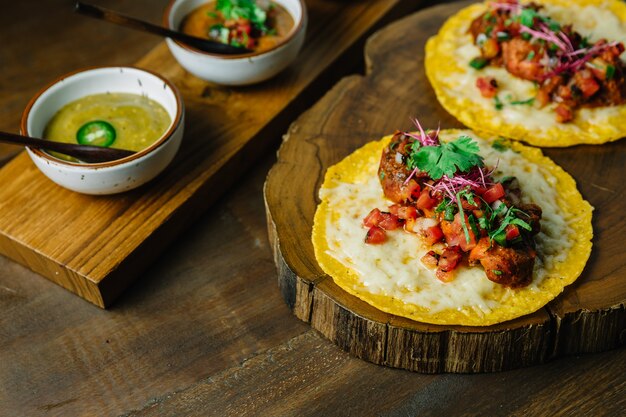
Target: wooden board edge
{"x": 52, "y": 270}
{"x": 385, "y": 339}
{"x": 590, "y": 331}
{"x": 296, "y": 291}
{"x": 357, "y": 334}
{"x": 454, "y": 351}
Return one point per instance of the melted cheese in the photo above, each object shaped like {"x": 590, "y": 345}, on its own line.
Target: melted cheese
{"x": 391, "y": 276}
{"x": 454, "y": 81}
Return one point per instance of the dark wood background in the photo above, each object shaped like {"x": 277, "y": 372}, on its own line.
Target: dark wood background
{"x": 205, "y": 331}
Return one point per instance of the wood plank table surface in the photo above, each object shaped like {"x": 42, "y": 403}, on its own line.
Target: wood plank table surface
{"x": 204, "y": 331}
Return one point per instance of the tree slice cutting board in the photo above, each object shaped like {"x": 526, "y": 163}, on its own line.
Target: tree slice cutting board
{"x": 588, "y": 317}
{"x": 96, "y": 246}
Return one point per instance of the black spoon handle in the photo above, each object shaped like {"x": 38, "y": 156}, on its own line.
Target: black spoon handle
{"x": 120, "y": 19}
{"x": 86, "y": 153}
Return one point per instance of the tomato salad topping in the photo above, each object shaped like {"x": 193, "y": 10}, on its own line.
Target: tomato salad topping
{"x": 569, "y": 70}
{"x": 444, "y": 193}
{"x": 243, "y": 23}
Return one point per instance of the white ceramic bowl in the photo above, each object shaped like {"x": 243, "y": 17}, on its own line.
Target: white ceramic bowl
{"x": 115, "y": 176}
{"x": 236, "y": 69}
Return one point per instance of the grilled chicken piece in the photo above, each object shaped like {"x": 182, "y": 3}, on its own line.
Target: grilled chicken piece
{"x": 511, "y": 267}
{"x": 393, "y": 171}
{"x": 521, "y": 58}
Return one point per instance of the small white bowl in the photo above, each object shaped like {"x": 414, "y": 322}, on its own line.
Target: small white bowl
{"x": 115, "y": 176}
{"x": 241, "y": 69}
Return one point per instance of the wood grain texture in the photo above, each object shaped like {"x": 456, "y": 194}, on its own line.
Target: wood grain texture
{"x": 307, "y": 377}
{"x": 588, "y": 317}
{"x": 96, "y": 246}
{"x": 204, "y": 330}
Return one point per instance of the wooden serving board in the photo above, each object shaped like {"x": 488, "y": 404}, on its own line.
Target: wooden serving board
{"x": 96, "y": 246}
{"x": 588, "y": 317}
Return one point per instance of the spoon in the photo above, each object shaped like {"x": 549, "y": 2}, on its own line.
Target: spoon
{"x": 120, "y": 19}
{"x": 86, "y": 153}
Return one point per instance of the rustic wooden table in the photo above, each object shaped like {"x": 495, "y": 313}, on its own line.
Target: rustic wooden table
{"x": 204, "y": 331}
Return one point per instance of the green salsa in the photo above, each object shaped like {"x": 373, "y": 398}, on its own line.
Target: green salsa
{"x": 118, "y": 120}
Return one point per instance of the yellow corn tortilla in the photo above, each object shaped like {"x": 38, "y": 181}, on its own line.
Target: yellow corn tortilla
{"x": 357, "y": 168}
{"x": 447, "y": 65}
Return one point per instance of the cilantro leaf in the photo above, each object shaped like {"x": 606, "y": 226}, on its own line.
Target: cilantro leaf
{"x": 527, "y": 17}
{"x": 610, "y": 72}
{"x": 462, "y": 217}
{"x": 243, "y": 9}
{"x": 468, "y": 195}
{"x": 497, "y": 103}
{"x": 527, "y": 102}
{"x": 426, "y": 159}
{"x": 501, "y": 144}
{"x": 225, "y": 7}
{"x": 460, "y": 154}
{"x": 510, "y": 218}
{"x": 472, "y": 221}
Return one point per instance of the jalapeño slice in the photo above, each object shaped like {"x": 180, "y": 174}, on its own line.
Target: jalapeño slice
{"x": 96, "y": 133}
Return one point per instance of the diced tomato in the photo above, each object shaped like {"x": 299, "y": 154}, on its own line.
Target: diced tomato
{"x": 430, "y": 260}
{"x": 450, "y": 258}
{"x": 245, "y": 28}
{"x": 512, "y": 232}
{"x": 455, "y": 235}
{"x": 410, "y": 191}
{"x": 425, "y": 201}
{"x": 617, "y": 50}
{"x": 444, "y": 276}
{"x": 548, "y": 87}
{"x": 389, "y": 221}
{"x": 432, "y": 235}
{"x": 587, "y": 83}
{"x": 375, "y": 235}
{"x": 542, "y": 97}
{"x": 478, "y": 213}
{"x": 488, "y": 86}
{"x": 409, "y": 225}
{"x": 373, "y": 218}
{"x": 495, "y": 192}
{"x": 407, "y": 212}
{"x": 467, "y": 206}
{"x": 479, "y": 191}
{"x": 490, "y": 48}
{"x": 479, "y": 251}
{"x": 564, "y": 91}
{"x": 598, "y": 67}
{"x": 564, "y": 113}
{"x": 394, "y": 208}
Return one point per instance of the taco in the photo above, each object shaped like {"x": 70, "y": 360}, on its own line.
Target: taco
{"x": 550, "y": 72}
{"x": 450, "y": 228}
